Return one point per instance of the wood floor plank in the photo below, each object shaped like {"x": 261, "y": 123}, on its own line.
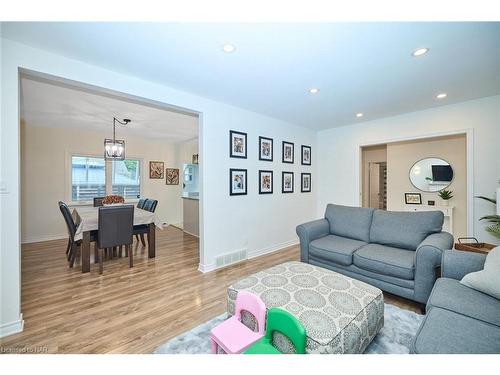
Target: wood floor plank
{"x": 126, "y": 310}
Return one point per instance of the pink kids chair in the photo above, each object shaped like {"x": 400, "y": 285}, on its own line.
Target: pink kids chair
{"x": 232, "y": 335}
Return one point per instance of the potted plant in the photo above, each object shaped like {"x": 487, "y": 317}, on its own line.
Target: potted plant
{"x": 494, "y": 229}
{"x": 445, "y": 195}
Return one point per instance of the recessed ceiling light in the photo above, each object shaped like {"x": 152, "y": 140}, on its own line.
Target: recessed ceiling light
{"x": 420, "y": 52}
{"x": 228, "y": 48}
{"x": 314, "y": 90}
{"x": 359, "y": 115}
{"x": 442, "y": 95}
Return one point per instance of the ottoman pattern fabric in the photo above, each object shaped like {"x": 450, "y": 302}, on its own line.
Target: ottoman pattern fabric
{"x": 340, "y": 314}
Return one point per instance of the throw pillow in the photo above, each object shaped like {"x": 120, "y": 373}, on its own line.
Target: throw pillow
{"x": 487, "y": 280}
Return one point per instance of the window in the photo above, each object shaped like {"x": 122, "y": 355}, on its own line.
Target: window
{"x": 126, "y": 179}
{"x": 88, "y": 178}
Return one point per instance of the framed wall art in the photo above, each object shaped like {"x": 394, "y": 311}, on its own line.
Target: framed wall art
{"x": 305, "y": 183}
{"x": 237, "y": 144}
{"x": 265, "y": 149}
{"x": 413, "y": 198}
{"x": 172, "y": 176}
{"x": 306, "y": 155}
{"x": 156, "y": 169}
{"x": 237, "y": 181}
{"x": 265, "y": 182}
{"x": 287, "y": 152}
{"x": 287, "y": 182}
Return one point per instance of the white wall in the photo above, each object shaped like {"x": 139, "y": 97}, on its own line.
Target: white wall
{"x": 258, "y": 222}
{"x": 338, "y": 150}
{"x": 46, "y": 174}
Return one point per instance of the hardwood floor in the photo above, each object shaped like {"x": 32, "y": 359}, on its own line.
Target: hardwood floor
{"x": 125, "y": 310}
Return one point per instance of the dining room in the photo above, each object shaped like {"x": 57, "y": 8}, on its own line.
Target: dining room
{"x": 101, "y": 172}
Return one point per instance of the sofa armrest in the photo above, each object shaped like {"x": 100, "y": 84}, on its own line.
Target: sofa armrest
{"x": 456, "y": 264}
{"x": 311, "y": 231}
{"x": 427, "y": 262}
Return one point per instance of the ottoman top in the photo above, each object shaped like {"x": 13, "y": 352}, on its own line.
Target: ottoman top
{"x": 324, "y": 301}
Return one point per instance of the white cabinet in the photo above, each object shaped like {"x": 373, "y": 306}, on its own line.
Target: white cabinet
{"x": 446, "y": 210}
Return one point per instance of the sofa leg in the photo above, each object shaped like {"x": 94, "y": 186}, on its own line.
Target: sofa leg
{"x": 422, "y": 308}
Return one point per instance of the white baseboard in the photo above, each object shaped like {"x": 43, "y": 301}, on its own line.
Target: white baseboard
{"x": 251, "y": 254}
{"x": 45, "y": 238}
{"x": 271, "y": 249}
{"x": 11, "y": 328}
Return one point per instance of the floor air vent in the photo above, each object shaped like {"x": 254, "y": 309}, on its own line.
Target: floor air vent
{"x": 230, "y": 258}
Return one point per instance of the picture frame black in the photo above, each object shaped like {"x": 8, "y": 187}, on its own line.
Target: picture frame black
{"x": 285, "y": 190}
{"x": 303, "y": 178}
{"x": 304, "y": 160}
{"x": 263, "y": 158}
{"x": 413, "y": 198}
{"x": 261, "y": 172}
{"x": 234, "y": 153}
{"x": 284, "y": 159}
{"x": 231, "y": 185}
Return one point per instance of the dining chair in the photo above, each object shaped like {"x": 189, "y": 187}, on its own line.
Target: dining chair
{"x": 141, "y": 202}
{"x": 115, "y": 229}
{"x": 71, "y": 226}
{"x": 98, "y": 201}
{"x": 141, "y": 230}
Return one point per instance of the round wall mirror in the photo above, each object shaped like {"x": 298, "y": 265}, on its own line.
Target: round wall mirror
{"x": 431, "y": 174}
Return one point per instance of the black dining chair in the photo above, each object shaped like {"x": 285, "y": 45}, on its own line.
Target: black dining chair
{"x": 141, "y": 230}
{"x": 115, "y": 229}
{"x": 141, "y": 202}
{"x": 71, "y": 226}
{"x": 98, "y": 201}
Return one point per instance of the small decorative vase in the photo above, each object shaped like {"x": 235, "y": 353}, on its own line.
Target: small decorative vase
{"x": 446, "y": 202}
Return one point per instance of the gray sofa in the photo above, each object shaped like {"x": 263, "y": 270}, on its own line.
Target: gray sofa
{"x": 398, "y": 252}
{"x": 459, "y": 319}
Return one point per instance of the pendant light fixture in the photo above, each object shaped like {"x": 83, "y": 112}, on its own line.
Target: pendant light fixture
{"x": 114, "y": 149}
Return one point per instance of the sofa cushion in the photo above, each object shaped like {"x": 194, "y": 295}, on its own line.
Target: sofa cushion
{"x": 351, "y": 222}
{"x": 446, "y": 332}
{"x": 404, "y": 229}
{"x": 386, "y": 260}
{"x": 452, "y": 295}
{"x": 335, "y": 249}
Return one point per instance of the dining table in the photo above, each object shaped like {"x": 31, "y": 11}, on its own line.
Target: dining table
{"x": 87, "y": 219}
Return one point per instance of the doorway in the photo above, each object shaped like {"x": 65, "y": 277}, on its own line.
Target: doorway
{"x": 377, "y": 185}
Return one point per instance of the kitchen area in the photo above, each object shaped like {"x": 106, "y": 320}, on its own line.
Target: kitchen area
{"x": 190, "y": 197}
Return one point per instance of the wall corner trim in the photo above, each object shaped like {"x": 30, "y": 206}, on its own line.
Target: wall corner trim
{"x": 11, "y": 328}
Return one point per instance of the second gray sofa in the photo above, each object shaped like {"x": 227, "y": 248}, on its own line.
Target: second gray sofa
{"x": 398, "y": 252}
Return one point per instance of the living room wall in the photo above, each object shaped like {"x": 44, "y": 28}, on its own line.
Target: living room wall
{"x": 338, "y": 150}
{"x": 258, "y": 223}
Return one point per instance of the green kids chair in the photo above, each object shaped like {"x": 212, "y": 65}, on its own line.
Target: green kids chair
{"x": 283, "y": 322}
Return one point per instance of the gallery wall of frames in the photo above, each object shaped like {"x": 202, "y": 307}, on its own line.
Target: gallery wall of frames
{"x": 238, "y": 177}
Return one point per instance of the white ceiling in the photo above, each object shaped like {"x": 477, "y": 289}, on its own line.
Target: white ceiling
{"x": 358, "y": 67}
{"x": 60, "y": 106}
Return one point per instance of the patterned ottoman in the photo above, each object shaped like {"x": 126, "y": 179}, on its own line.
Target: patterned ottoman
{"x": 340, "y": 314}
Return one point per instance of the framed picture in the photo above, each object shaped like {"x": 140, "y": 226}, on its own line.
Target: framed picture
{"x": 306, "y": 155}
{"x": 265, "y": 149}
{"x": 156, "y": 169}
{"x": 287, "y": 182}
{"x": 237, "y": 181}
{"x": 413, "y": 198}
{"x": 265, "y": 182}
{"x": 237, "y": 144}
{"x": 172, "y": 176}
{"x": 305, "y": 185}
{"x": 287, "y": 152}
